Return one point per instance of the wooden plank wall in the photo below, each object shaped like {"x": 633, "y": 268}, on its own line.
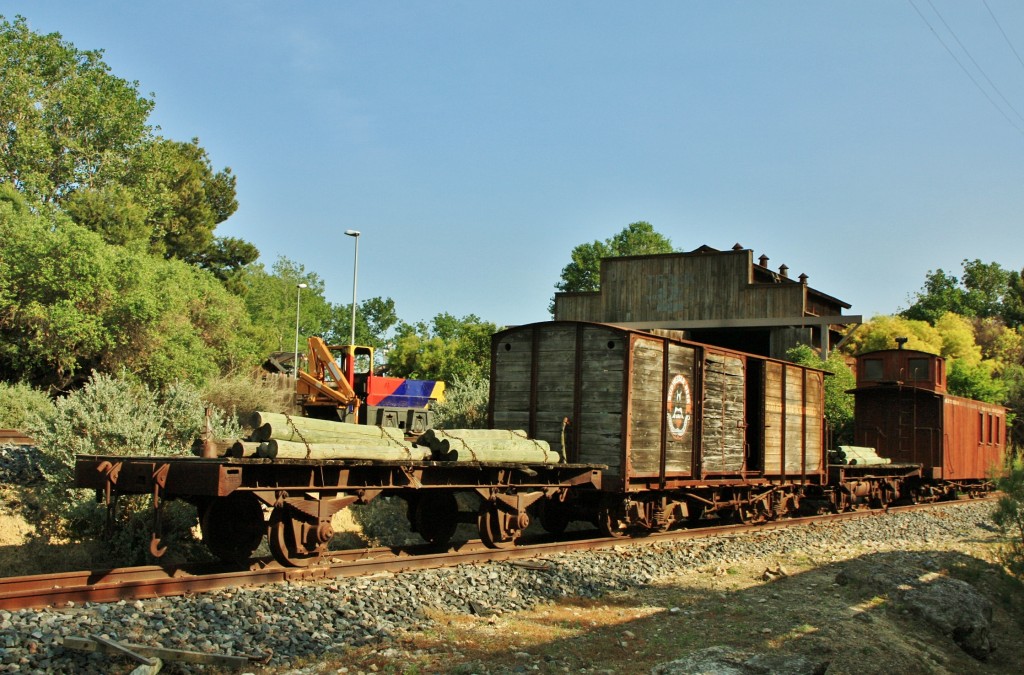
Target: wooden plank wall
{"x": 774, "y": 427}
{"x": 686, "y": 287}
{"x": 679, "y": 406}
{"x": 602, "y": 399}
{"x": 723, "y": 417}
{"x": 646, "y": 406}
{"x": 794, "y": 438}
{"x": 534, "y": 387}
{"x": 814, "y": 415}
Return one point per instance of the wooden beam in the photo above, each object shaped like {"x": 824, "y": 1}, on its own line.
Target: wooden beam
{"x": 164, "y": 654}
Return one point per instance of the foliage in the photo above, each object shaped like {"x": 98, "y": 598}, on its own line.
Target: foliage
{"x": 984, "y": 290}
{"x": 446, "y": 349}
{"x": 68, "y": 122}
{"x": 271, "y": 298}
{"x": 838, "y": 403}
{"x": 117, "y": 416}
{"x": 583, "y": 273}
{"x": 975, "y": 380}
{"x": 20, "y": 402}
{"x": 245, "y": 393}
{"x": 77, "y": 138}
{"x": 465, "y": 405}
{"x": 881, "y": 333}
{"x": 375, "y": 317}
{"x": 1009, "y": 515}
{"x": 70, "y": 303}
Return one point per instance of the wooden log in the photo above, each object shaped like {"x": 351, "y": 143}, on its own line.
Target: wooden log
{"x": 276, "y": 449}
{"x": 487, "y": 445}
{"x": 242, "y": 449}
{"x": 269, "y": 426}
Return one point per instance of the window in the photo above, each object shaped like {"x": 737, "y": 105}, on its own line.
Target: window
{"x": 918, "y": 369}
{"x": 873, "y": 369}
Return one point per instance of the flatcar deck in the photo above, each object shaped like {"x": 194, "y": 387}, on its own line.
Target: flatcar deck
{"x": 183, "y": 477}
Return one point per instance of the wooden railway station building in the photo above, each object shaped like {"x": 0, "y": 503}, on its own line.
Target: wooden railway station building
{"x": 724, "y": 298}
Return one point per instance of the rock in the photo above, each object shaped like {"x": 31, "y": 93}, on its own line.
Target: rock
{"x": 721, "y": 660}
{"x": 956, "y": 609}
{"x": 716, "y": 660}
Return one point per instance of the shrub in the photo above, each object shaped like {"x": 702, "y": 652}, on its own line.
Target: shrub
{"x": 1009, "y": 515}
{"x": 20, "y": 402}
{"x": 465, "y": 405}
{"x": 117, "y": 416}
{"x": 243, "y": 393}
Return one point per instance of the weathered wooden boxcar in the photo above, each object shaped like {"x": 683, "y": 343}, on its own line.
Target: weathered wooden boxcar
{"x": 903, "y": 410}
{"x": 666, "y": 416}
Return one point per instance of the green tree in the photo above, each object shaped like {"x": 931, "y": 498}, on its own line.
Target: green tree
{"x": 881, "y": 333}
{"x": 984, "y": 290}
{"x": 375, "y": 317}
{"x": 71, "y": 304}
{"x": 76, "y": 137}
{"x": 446, "y": 349}
{"x": 583, "y": 273}
{"x": 270, "y": 298}
{"x": 69, "y": 124}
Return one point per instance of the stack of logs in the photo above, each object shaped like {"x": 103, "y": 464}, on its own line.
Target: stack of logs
{"x": 277, "y": 436}
{"x": 856, "y": 455}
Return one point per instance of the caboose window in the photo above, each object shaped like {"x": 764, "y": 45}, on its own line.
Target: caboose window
{"x": 918, "y": 369}
{"x": 873, "y": 369}
{"x": 981, "y": 428}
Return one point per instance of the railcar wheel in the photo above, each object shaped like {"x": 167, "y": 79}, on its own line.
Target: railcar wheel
{"x": 497, "y": 529}
{"x": 286, "y": 535}
{"x": 233, "y": 526}
{"x": 694, "y": 511}
{"x": 435, "y": 515}
{"x": 554, "y": 516}
{"x": 610, "y": 522}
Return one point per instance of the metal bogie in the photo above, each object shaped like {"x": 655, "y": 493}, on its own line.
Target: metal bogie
{"x": 504, "y": 516}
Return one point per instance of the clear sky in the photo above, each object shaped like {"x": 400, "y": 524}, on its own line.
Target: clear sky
{"x": 475, "y": 143}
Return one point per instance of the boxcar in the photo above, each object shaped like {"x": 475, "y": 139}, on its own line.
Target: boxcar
{"x": 667, "y": 417}
{"x": 903, "y": 410}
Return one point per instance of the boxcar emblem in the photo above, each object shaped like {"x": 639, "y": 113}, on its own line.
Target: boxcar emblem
{"x": 679, "y": 407}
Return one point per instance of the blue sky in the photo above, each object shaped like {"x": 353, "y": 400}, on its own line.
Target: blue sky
{"x": 475, "y": 144}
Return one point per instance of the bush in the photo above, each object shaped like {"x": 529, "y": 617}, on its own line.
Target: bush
{"x": 1009, "y": 515}
{"x": 19, "y": 403}
{"x": 465, "y": 405}
{"x": 117, "y": 416}
{"x": 243, "y": 394}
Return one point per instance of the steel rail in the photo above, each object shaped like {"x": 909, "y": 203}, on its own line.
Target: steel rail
{"x": 132, "y": 583}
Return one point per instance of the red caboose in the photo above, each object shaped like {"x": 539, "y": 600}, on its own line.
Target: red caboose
{"x": 903, "y": 411}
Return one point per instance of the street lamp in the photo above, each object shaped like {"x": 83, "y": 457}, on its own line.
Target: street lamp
{"x": 298, "y": 299}
{"x": 355, "y": 276}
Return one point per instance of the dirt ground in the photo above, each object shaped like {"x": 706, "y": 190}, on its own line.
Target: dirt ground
{"x": 812, "y": 609}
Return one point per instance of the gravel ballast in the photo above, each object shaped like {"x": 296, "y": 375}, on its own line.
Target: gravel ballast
{"x": 303, "y": 620}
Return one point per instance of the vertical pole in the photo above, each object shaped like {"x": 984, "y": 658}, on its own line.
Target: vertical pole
{"x": 298, "y": 300}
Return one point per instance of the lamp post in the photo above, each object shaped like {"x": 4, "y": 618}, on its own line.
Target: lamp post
{"x": 298, "y": 300}
{"x": 355, "y": 276}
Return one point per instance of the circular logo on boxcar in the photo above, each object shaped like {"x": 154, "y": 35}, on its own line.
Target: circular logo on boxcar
{"x": 679, "y": 407}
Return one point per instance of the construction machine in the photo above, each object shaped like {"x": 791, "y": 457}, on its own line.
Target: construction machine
{"x": 339, "y": 383}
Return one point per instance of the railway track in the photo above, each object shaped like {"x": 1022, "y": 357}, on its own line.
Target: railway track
{"x": 131, "y": 583}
